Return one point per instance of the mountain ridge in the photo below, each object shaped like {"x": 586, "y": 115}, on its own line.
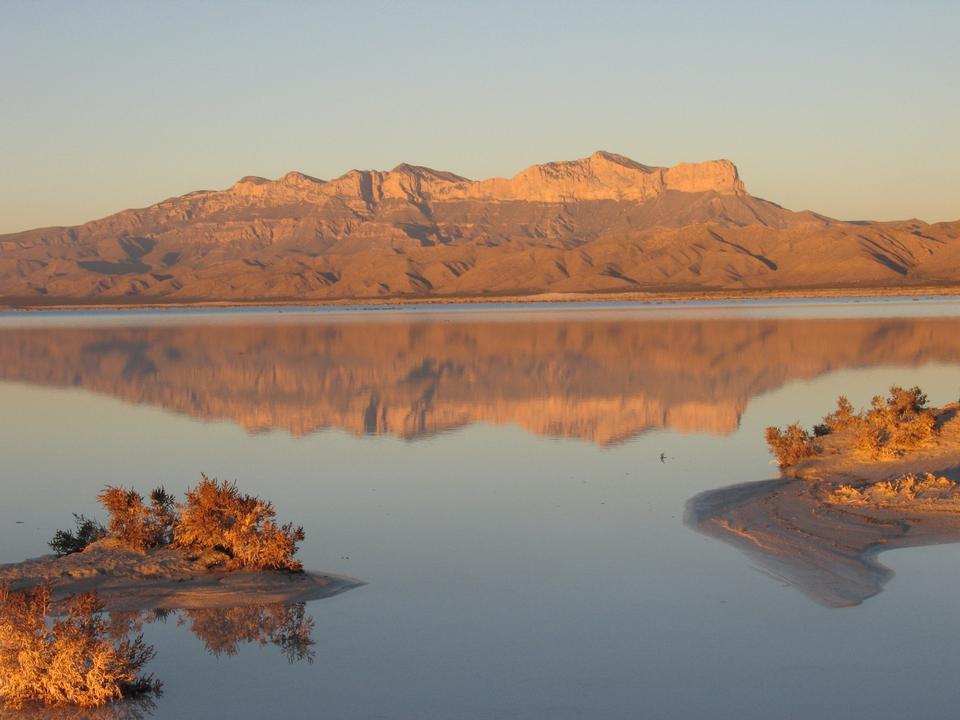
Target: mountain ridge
{"x": 600, "y": 224}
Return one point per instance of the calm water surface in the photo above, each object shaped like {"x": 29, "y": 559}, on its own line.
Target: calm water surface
{"x": 495, "y": 478}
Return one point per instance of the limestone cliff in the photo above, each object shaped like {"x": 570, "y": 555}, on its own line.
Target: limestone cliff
{"x": 601, "y": 224}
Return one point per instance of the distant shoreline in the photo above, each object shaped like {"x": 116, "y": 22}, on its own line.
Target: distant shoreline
{"x": 645, "y": 298}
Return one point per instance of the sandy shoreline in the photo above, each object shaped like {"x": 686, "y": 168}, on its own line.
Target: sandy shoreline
{"x": 166, "y": 578}
{"x": 825, "y": 293}
{"x": 811, "y": 532}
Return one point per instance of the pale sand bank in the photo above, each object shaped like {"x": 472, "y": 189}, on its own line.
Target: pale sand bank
{"x": 679, "y": 296}
{"x": 166, "y": 578}
{"x": 821, "y": 528}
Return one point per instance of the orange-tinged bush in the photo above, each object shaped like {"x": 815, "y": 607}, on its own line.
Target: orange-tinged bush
{"x": 69, "y": 661}
{"x": 791, "y": 445}
{"x": 218, "y": 516}
{"x": 896, "y": 423}
{"x": 135, "y": 524}
{"x": 843, "y": 417}
{"x": 239, "y": 530}
{"x": 891, "y": 427}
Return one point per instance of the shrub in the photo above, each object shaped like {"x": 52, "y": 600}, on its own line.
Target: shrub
{"x": 135, "y": 524}
{"x": 217, "y": 516}
{"x": 87, "y": 531}
{"x": 791, "y": 445}
{"x": 216, "y": 519}
{"x": 904, "y": 489}
{"x": 842, "y": 418}
{"x": 896, "y": 424}
{"x": 892, "y": 425}
{"x": 163, "y": 512}
{"x": 69, "y": 661}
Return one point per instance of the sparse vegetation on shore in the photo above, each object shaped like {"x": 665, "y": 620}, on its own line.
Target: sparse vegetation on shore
{"x": 237, "y": 530}
{"x": 75, "y": 656}
{"x": 790, "y": 445}
{"x": 889, "y": 428}
{"x": 907, "y": 488}
{"x": 217, "y": 516}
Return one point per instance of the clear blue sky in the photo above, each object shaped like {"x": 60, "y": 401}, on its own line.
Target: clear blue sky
{"x": 846, "y": 107}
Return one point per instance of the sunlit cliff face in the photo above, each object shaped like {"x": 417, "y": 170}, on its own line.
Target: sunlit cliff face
{"x": 599, "y": 378}
{"x": 600, "y": 224}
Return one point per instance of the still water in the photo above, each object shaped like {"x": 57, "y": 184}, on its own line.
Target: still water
{"x": 510, "y": 485}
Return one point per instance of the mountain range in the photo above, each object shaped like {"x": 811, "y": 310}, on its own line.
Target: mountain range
{"x": 602, "y": 224}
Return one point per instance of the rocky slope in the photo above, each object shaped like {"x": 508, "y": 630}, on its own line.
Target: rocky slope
{"x": 600, "y": 224}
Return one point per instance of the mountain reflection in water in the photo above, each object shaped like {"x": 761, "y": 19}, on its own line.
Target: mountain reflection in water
{"x": 599, "y": 377}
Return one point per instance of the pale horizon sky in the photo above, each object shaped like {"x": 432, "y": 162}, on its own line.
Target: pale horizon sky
{"x": 847, "y": 108}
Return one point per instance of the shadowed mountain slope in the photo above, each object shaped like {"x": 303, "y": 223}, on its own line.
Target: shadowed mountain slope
{"x": 601, "y": 224}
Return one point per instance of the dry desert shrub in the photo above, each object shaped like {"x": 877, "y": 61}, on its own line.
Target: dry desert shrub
{"x": 70, "y": 660}
{"x": 233, "y": 528}
{"x": 217, "y": 516}
{"x": 906, "y": 488}
{"x": 896, "y": 424}
{"x": 845, "y": 495}
{"x": 891, "y": 426}
{"x": 843, "y": 418}
{"x": 790, "y": 445}
{"x": 134, "y": 523}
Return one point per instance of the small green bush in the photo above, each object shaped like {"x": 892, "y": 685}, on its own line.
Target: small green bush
{"x": 66, "y": 542}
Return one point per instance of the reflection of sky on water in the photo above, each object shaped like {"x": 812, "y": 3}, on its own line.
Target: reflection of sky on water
{"x": 509, "y": 574}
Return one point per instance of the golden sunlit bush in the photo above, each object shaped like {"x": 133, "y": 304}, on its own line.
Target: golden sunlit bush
{"x": 790, "y": 445}
{"x": 906, "y": 488}
{"x": 843, "y": 418}
{"x": 892, "y": 426}
{"x": 70, "y": 660}
{"x": 896, "y": 424}
{"x": 136, "y": 524}
{"x": 217, "y": 521}
{"x": 217, "y": 516}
